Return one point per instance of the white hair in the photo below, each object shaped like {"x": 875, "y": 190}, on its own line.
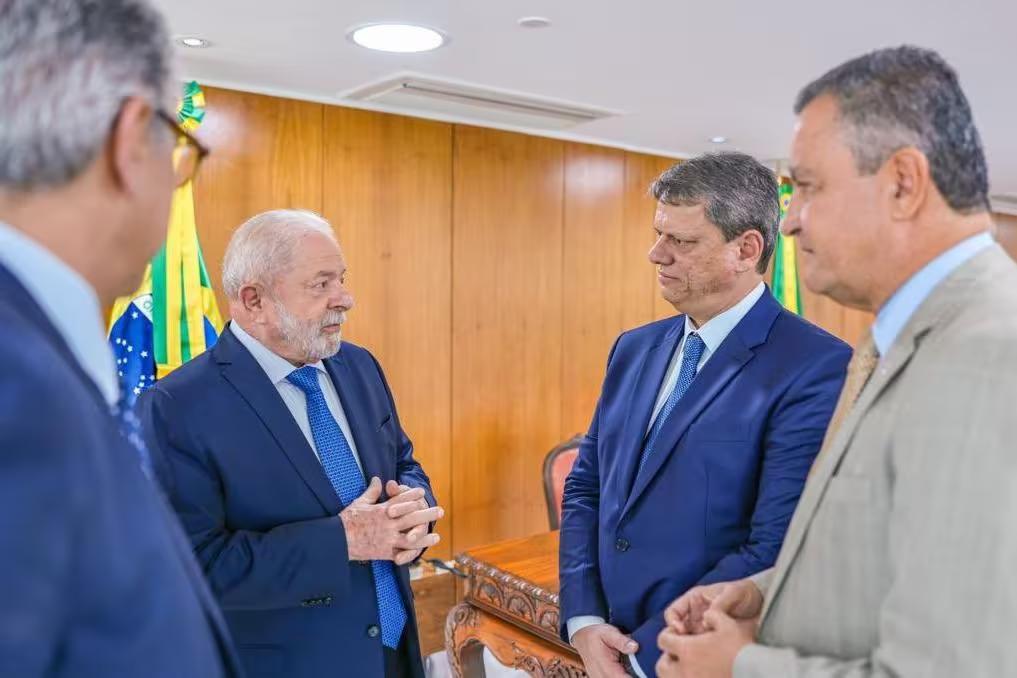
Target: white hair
{"x": 263, "y": 246}
{"x": 66, "y": 67}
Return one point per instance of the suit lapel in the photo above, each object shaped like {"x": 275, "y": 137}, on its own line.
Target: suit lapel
{"x": 939, "y": 306}
{"x": 721, "y": 368}
{"x": 242, "y": 371}
{"x": 642, "y": 399}
{"x": 363, "y": 428}
{"x": 730, "y": 357}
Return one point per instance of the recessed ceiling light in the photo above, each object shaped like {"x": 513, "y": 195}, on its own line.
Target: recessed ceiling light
{"x": 718, "y": 140}
{"x": 397, "y": 38}
{"x": 197, "y": 43}
{"x": 534, "y": 22}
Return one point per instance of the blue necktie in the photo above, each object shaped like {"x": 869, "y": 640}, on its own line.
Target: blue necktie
{"x": 693, "y": 351}
{"x": 348, "y": 481}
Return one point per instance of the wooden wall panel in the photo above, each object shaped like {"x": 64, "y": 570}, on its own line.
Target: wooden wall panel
{"x": 506, "y": 330}
{"x": 266, "y": 154}
{"x": 641, "y": 171}
{"x": 388, "y": 193}
{"x": 604, "y": 286}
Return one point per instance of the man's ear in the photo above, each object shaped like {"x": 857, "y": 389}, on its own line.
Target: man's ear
{"x": 252, "y": 298}
{"x": 130, "y": 143}
{"x": 750, "y": 250}
{"x": 908, "y": 179}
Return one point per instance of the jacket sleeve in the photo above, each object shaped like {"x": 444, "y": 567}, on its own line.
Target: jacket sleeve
{"x": 246, "y": 569}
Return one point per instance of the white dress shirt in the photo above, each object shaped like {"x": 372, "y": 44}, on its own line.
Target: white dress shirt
{"x": 278, "y": 368}
{"x": 68, "y": 301}
{"x": 713, "y": 333}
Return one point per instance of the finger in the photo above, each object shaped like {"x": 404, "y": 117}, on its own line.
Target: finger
{"x": 678, "y": 611}
{"x": 617, "y": 640}
{"x": 411, "y": 497}
{"x": 403, "y": 508}
{"x": 667, "y": 666}
{"x": 372, "y": 494}
{"x": 670, "y": 642}
{"x": 419, "y": 518}
{"x": 406, "y": 557}
{"x": 404, "y": 543}
{"x": 417, "y": 532}
{"x": 715, "y": 620}
{"x": 392, "y": 488}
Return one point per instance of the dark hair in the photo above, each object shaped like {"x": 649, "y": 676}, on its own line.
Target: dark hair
{"x": 908, "y": 96}
{"x": 739, "y": 194}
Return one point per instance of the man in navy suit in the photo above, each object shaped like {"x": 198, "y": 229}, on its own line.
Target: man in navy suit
{"x": 98, "y": 578}
{"x": 707, "y": 423}
{"x": 277, "y": 447}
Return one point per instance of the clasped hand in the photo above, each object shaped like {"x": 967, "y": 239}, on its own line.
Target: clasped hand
{"x": 396, "y": 529}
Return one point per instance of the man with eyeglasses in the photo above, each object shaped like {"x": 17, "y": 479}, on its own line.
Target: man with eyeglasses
{"x": 97, "y": 576}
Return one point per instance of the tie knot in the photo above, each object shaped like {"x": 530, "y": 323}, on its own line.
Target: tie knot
{"x": 306, "y": 379}
{"x": 694, "y": 346}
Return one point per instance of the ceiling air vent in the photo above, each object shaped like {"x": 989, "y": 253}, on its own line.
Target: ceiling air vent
{"x": 411, "y": 93}
{"x": 1006, "y": 203}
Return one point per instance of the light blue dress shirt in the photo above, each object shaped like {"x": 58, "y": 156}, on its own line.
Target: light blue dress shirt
{"x": 896, "y": 312}
{"x": 277, "y": 369}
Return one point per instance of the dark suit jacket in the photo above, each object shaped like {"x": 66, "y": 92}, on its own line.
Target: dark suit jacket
{"x": 714, "y": 500}
{"x": 262, "y": 515}
{"x": 98, "y": 579}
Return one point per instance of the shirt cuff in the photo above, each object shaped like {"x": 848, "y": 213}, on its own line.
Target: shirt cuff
{"x": 575, "y": 624}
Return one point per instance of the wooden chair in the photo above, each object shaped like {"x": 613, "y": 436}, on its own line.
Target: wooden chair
{"x": 557, "y": 465}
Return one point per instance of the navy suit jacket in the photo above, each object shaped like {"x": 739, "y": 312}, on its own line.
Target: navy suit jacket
{"x": 713, "y": 502}
{"x": 262, "y": 514}
{"x": 98, "y": 579}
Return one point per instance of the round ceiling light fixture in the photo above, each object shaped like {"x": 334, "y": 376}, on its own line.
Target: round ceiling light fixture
{"x": 534, "y": 22}
{"x": 401, "y": 38}
{"x": 194, "y": 42}
{"x": 718, "y": 140}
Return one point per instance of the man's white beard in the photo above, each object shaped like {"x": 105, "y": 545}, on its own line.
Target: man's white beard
{"x": 307, "y": 337}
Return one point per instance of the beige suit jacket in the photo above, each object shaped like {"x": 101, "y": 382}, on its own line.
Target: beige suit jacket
{"x": 901, "y": 557}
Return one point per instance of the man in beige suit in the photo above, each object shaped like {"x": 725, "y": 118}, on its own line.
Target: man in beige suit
{"x": 899, "y": 559}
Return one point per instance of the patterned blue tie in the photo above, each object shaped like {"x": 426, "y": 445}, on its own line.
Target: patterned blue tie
{"x": 348, "y": 482}
{"x": 694, "y": 347}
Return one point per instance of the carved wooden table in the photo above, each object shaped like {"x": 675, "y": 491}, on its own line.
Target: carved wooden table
{"x": 510, "y": 607}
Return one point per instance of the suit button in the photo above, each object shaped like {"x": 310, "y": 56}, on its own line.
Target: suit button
{"x": 621, "y": 544}
{"x": 373, "y": 631}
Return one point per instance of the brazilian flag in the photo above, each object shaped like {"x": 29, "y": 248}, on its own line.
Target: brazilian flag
{"x": 785, "y": 265}
{"x": 173, "y": 315}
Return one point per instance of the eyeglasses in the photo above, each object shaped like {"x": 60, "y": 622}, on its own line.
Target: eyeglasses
{"x": 189, "y": 152}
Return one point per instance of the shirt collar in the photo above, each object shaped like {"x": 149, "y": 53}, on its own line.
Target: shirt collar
{"x": 68, "y": 301}
{"x": 715, "y": 330}
{"x": 276, "y": 367}
{"x": 896, "y": 312}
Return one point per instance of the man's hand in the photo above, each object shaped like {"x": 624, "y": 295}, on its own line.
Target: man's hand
{"x": 708, "y": 655}
{"x": 373, "y": 533}
{"x": 601, "y": 646}
{"x": 397, "y": 507}
{"x": 738, "y": 599}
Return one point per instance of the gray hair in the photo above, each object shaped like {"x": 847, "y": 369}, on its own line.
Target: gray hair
{"x": 738, "y": 192}
{"x": 262, "y": 247}
{"x": 907, "y": 96}
{"x": 65, "y": 68}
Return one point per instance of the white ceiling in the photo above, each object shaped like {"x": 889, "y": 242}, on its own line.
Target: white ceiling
{"x": 680, "y": 71}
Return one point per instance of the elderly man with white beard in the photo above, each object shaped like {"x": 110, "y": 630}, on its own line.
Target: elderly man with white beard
{"x": 284, "y": 458}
